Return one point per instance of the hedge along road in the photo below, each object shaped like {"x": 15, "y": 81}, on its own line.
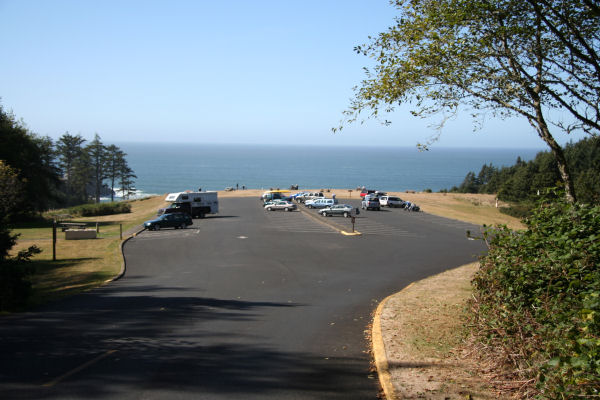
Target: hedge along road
{"x": 249, "y": 304}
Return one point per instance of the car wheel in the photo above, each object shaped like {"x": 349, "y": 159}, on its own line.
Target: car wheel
{"x": 182, "y": 226}
{"x": 345, "y": 214}
{"x": 157, "y": 227}
{"x": 269, "y": 209}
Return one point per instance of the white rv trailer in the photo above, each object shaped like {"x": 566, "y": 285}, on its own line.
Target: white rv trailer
{"x": 197, "y": 204}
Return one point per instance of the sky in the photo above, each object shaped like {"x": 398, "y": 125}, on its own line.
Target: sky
{"x": 261, "y": 72}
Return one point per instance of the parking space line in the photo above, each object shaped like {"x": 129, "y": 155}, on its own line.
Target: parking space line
{"x": 297, "y": 222}
{"x": 78, "y": 369}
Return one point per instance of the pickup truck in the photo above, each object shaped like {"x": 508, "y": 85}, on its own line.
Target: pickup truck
{"x": 370, "y": 202}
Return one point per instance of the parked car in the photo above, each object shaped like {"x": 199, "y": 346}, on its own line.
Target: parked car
{"x": 339, "y": 209}
{"x": 310, "y": 196}
{"x": 171, "y": 220}
{"x": 391, "y": 201}
{"x": 366, "y": 192}
{"x": 320, "y": 203}
{"x": 298, "y": 195}
{"x": 370, "y": 202}
{"x": 280, "y": 205}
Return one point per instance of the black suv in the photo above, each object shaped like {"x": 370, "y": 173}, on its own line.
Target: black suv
{"x": 171, "y": 220}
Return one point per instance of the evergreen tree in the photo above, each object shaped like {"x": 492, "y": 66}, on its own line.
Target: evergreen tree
{"x": 470, "y": 184}
{"x": 96, "y": 153}
{"x": 31, "y": 157}
{"x": 82, "y": 174}
{"x": 70, "y": 151}
{"x": 114, "y": 158}
{"x": 525, "y": 180}
{"x": 126, "y": 178}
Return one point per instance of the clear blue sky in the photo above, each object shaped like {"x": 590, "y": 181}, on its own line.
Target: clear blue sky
{"x": 233, "y": 71}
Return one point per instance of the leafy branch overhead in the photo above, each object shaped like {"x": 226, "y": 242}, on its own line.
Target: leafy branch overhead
{"x": 535, "y": 59}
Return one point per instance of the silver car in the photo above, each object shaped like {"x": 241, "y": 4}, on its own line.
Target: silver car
{"x": 280, "y": 205}
{"x": 338, "y": 209}
{"x": 391, "y": 201}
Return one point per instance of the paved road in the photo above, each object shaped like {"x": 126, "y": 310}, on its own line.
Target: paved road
{"x": 249, "y": 305}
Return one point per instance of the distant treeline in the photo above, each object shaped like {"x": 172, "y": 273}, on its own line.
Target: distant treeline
{"x": 37, "y": 173}
{"x": 525, "y": 181}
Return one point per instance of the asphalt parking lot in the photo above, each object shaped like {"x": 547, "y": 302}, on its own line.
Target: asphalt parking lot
{"x": 247, "y": 304}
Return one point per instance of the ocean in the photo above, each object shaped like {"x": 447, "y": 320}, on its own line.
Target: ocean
{"x": 163, "y": 168}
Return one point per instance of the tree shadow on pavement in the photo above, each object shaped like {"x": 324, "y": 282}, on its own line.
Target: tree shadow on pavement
{"x": 102, "y": 345}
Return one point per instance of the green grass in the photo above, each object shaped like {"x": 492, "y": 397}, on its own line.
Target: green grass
{"x": 81, "y": 264}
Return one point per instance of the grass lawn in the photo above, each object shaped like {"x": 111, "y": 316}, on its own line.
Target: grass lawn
{"x": 80, "y": 264}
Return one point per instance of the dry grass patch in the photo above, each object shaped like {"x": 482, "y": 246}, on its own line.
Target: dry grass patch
{"x": 478, "y": 209}
{"x": 423, "y": 332}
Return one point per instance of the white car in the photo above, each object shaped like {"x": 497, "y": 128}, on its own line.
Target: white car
{"x": 391, "y": 201}
{"x": 280, "y": 205}
{"x": 320, "y": 203}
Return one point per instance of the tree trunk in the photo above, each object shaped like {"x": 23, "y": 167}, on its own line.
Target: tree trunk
{"x": 559, "y": 155}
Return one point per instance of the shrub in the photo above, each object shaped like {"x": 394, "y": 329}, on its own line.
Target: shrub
{"x": 15, "y": 280}
{"x": 518, "y": 210}
{"x": 91, "y": 210}
{"x": 537, "y": 299}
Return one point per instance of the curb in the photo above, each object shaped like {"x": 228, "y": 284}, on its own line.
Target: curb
{"x": 355, "y": 233}
{"x": 124, "y": 264}
{"x": 379, "y": 354}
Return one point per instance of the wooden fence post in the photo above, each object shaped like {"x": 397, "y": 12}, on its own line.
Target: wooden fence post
{"x": 54, "y": 240}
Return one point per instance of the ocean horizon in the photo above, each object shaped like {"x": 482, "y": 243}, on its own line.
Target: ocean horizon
{"x": 173, "y": 167}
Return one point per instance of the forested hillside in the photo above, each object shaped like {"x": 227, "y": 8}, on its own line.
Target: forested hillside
{"x": 37, "y": 173}
{"x": 524, "y": 181}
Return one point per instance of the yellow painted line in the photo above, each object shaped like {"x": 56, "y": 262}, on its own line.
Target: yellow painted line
{"x": 355, "y": 233}
{"x": 379, "y": 354}
{"x": 78, "y": 369}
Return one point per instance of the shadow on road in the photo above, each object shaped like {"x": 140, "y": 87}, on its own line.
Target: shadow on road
{"x": 131, "y": 337}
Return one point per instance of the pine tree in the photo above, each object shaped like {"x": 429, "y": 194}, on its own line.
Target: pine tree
{"x": 97, "y": 155}
{"x": 70, "y": 151}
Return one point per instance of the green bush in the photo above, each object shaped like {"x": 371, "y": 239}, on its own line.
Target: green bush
{"x": 92, "y": 210}
{"x": 518, "y": 210}
{"x": 537, "y": 299}
{"x": 15, "y": 280}
{"x": 15, "y": 286}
